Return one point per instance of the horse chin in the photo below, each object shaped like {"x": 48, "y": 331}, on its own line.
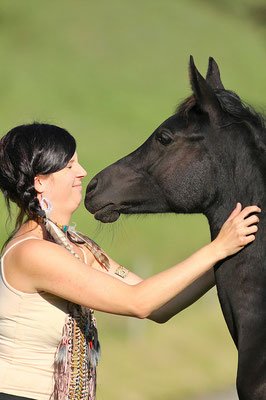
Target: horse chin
{"x": 107, "y": 214}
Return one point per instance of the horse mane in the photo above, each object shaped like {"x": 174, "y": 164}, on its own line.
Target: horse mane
{"x": 231, "y": 104}
{"x": 240, "y": 111}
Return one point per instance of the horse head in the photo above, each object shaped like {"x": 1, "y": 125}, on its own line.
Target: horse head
{"x": 190, "y": 162}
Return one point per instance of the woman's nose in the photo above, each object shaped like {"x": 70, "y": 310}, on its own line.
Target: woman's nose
{"x": 82, "y": 172}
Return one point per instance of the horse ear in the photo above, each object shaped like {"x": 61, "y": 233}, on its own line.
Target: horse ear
{"x": 203, "y": 92}
{"x": 213, "y": 75}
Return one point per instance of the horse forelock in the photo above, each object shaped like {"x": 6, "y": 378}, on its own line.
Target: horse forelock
{"x": 184, "y": 107}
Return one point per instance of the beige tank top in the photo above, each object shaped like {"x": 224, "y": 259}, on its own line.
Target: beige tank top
{"x": 30, "y": 331}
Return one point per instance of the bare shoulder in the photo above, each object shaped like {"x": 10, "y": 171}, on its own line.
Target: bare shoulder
{"x": 31, "y": 248}
{"x": 35, "y": 254}
{"x": 33, "y": 259}
{"x": 21, "y": 258}
{"x": 40, "y": 265}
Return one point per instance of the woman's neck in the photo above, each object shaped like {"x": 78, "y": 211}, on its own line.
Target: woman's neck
{"x": 30, "y": 227}
{"x": 60, "y": 218}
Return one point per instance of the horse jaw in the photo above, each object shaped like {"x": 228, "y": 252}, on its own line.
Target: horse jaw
{"x": 107, "y": 214}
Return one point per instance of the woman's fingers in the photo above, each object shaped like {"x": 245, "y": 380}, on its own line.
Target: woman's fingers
{"x": 243, "y": 240}
{"x": 247, "y": 227}
{"x": 250, "y": 229}
{"x": 238, "y": 230}
{"x": 254, "y": 219}
{"x": 238, "y": 214}
{"x": 248, "y": 210}
{"x": 248, "y": 239}
{"x": 235, "y": 212}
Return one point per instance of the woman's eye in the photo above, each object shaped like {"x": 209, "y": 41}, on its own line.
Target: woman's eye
{"x": 164, "y": 138}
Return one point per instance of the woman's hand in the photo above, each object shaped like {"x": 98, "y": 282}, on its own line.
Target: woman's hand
{"x": 237, "y": 231}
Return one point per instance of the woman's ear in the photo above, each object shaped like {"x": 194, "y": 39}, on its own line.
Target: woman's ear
{"x": 38, "y": 184}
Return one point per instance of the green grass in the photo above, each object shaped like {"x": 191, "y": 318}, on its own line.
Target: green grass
{"x": 110, "y": 72}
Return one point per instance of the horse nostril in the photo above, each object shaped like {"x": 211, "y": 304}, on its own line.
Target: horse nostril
{"x": 92, "y": 185}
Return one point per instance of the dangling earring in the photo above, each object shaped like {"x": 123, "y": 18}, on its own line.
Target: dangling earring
{"x": 46, "y": 206}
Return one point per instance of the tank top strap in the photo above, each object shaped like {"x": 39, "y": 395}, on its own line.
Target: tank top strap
{"x": 20, "y": 241}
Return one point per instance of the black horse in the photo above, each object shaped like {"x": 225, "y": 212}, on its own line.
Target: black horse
{"x": 204, "y": 159}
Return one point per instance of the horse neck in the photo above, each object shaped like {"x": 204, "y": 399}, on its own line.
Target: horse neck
{"x": 253, "y": 256}
{"x": 244, "y": 181}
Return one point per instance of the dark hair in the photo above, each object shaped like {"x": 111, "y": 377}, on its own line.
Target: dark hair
{"x": 26, "y": 151}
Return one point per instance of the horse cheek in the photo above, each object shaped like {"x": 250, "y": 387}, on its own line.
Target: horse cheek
{"x": 189, "y": 186}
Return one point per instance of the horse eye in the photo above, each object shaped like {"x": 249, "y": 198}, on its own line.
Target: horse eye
{"x": 164, "y": 138}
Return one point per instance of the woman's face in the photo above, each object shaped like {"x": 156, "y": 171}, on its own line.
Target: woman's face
{"x": 63, "y": 188}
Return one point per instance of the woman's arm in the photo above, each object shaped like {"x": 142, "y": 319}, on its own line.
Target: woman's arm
{"x": 185, "y": 298}
{"x": 53, "y": 269}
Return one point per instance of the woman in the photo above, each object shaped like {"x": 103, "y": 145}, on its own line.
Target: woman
{"x": 52, "y": 277}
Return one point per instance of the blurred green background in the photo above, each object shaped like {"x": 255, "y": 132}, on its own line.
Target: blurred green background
{"x": 110, "y": 72}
